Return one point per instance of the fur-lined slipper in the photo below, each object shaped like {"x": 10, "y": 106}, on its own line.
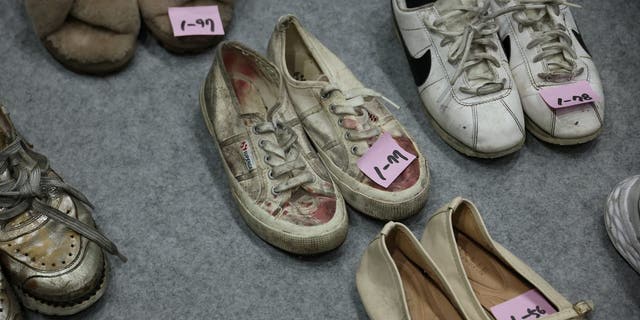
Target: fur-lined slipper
{"x": 156, "y": 18}
{"x": 87, "y": 36}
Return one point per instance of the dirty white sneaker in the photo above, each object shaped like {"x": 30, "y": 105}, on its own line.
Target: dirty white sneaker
{"x": 622, "y": 220}
{"x": 462, "y": 75}
{"x": 283, "y": 191}
{"x": 545, "y": 49}
{"x": 343, "y": 119}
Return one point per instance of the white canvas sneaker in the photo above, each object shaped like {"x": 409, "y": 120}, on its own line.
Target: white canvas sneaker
{"x": 343, "y": 119}
{"x": 545, "y": 49}
{"x": 462, "y": 74}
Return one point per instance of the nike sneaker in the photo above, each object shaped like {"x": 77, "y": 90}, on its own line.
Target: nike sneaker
{"x": 462, "y": 74}
{"x": 622, "y": 219}
{"x": 546, "y": 50}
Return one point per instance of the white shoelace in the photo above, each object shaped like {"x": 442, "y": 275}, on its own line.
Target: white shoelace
{"x": 354, "y": 105}
{"x": 551, "y": 35}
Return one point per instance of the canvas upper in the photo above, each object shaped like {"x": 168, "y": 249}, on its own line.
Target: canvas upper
{"x": 545, "y": 49}
{"x": 343, "y": 119}
{"x": 462, "y": 75}
{"x": 284, "y": 191}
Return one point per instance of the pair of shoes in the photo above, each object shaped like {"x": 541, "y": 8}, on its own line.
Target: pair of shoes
{"x": 455, "y": 272}
{"x": 290, "y": 134}
{"x": 99, "y": 37}
{"x": 622, "y": 219}
{"x": 480, "y": 96}
{"x": 50, "y": 249}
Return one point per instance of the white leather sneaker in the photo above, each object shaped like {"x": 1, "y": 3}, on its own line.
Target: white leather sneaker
{"x": 462, "y": 74}
{"x": 343, "y": 119}
{"x": 545, "y": 49}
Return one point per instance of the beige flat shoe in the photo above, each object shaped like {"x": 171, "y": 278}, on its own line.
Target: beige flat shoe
{"x": 397, "y": 279}
{"x": 481, "y": 272}
{"x": 94, "y": 37}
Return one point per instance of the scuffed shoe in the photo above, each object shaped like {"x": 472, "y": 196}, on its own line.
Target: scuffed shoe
{"x": 462, "y": 75}
{"x": 156, "y": 18}
{"x": 622, "y": 219}
{"x": 545, "y": 49}
{"x": 9, "y": 306}
{"x": 485, "y": 274}
{"x": 343, "y": 119}
{"x": 95, "y": 37}
{"x": 51, "y": 250}
{"x": 283, "y": 191}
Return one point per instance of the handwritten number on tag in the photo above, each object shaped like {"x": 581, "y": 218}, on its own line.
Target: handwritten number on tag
{"x": 392, "y": 158}
{"x": 582, "y": 98}
{"x": 202, "y": 23}
{"x": 531, "y": 314}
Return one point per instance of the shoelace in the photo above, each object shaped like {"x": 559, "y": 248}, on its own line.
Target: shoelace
{"x": 468, "y": 47}
{"x": 354, "y": 105}
{"x": 283, "y": 157}
{"x": 27, "y": 189}
{"x": 555, "y": 41}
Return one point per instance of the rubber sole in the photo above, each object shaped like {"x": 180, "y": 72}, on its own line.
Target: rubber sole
{"x": 618, "y": 224}
{"x": 542, "y": 135}
{"x": 51, "y": 309}
{"x": 302, "y": 245}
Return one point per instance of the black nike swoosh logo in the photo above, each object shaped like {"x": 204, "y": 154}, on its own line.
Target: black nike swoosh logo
{"x": 506, "y": 46}
{"x": 420, "y": 67}
{"x": 580, "y": 40}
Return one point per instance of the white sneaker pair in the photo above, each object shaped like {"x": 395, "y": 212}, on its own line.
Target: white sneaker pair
{"x": 475, "y": 92}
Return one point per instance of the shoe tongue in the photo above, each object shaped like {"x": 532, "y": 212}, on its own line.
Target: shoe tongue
{"x": 445, "y": 6}
{"x": 546, "y": 24}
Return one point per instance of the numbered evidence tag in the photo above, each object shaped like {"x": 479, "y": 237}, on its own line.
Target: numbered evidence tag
{"x": 528, "y": 306}
{"x": 385, "y": 161}
{"x": 191, "y": 21}
{"x": 568, "y": 95}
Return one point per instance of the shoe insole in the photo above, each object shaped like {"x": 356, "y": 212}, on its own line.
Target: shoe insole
{"x": 424, "y": 298}
{"x": 492, "y": 281}
{"x": 300, "y": 63}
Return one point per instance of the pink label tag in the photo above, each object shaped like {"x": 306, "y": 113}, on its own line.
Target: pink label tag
{"x": 191, "y": 21}
{"x": 385, "y": 161}
{"x": 530, "y": 305}
{"x": 568, "y": 95}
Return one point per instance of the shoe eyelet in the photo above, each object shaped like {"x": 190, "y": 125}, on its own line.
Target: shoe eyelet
{"x": 325, "y": 95}
{"x": 332, "y": 108}
{"x": 274, "y": 192}
{"x": 340, "y": 122}
{"x": 347, "y": 136}
{"x": 262, "y": 143}
{"x": 270, "y": 174}
{"x": 267, "y": 159}
{"x": 354, "y": 150}
{"x": 254, "y": 130}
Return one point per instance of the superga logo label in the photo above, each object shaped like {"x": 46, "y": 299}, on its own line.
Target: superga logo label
{"x": 247, "y": 155}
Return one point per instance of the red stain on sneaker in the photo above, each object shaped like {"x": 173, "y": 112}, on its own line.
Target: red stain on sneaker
{"x": 326, "y": 209}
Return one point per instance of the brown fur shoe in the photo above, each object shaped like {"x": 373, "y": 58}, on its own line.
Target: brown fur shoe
{"x": 155, "y": 17}
{"x": 87, "y": 36}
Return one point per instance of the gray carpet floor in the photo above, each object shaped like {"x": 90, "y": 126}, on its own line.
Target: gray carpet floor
{"x": 136, "y": 145}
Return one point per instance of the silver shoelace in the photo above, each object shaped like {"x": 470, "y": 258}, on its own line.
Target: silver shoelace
{"x": 354, "y": 105}
{"x": 555, "y": 41}
{"x": 283, "y": 157}
{"x": 27, "y": 189}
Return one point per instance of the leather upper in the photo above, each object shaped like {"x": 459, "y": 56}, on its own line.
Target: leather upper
{"x": 485, "y": 123}
{"x": 568, "y": 123}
